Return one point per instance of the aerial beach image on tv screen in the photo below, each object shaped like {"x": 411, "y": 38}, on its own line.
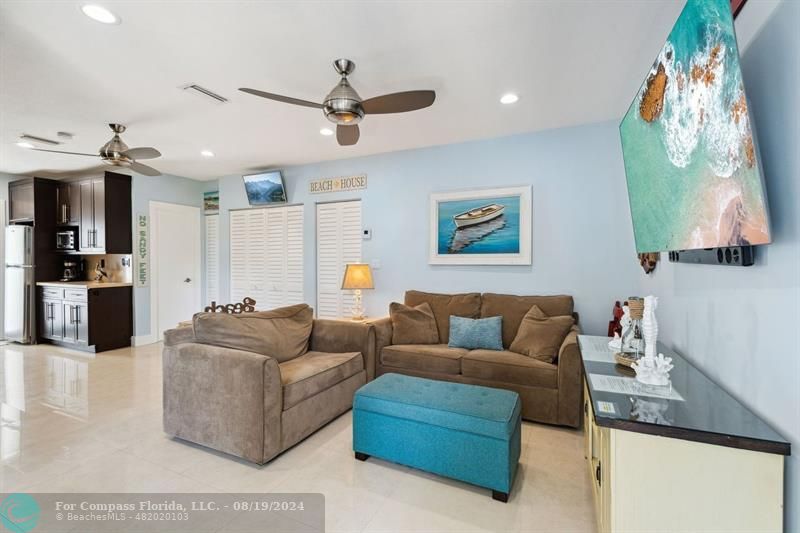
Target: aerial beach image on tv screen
{"x": 691, "y": 160}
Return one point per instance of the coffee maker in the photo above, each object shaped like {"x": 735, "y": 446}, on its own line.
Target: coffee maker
{"x": 73, "y": 269}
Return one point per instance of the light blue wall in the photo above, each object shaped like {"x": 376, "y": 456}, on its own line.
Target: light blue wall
{"x": 582, "y": 235}
{"x": 166, "y": 188}
{"x": 742, "y": 325}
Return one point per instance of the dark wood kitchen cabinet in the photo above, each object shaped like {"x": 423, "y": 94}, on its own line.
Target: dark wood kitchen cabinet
{"x": 68, "y": 211}
{"x": 85, "y": 315}
{"x": 31, "y": 202}
{"x": 20, "y": 201}
{"x": 104, "y": 214}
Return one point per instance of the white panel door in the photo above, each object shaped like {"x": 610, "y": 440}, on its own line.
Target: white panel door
{"x": 338, "y": 243}
{"x": 177, "y": 263}
{"x": 212, "y": 258}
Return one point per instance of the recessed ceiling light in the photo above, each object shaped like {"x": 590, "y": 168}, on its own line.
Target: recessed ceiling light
{"x": 99, "y": 13}
{"x": 326, "y": 131}
{"x": 23, "y": 144}
{"x": 207, "y": 153}
{"x": 509, "y": 98}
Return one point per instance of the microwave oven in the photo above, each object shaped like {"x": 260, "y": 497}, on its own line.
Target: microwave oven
{"x": 65, "y": 240}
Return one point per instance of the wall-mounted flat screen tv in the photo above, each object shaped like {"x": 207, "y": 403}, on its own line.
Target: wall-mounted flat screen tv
{"x": 691, "y": 158}
{"x": 265, "y": 188}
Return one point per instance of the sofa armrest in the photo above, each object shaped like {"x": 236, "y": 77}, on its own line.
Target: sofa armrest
{"x": 227, "y": 399}
{"x": 570, "y": 380}
{"x": 383, "y": 335}
{"x": 178, "y": 335}
{"x": 339, "y": 336}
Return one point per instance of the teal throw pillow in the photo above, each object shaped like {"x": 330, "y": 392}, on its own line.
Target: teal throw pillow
{"x": 474, "y": 334}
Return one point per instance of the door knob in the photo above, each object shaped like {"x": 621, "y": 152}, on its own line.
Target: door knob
{"x": 187, "y": 280}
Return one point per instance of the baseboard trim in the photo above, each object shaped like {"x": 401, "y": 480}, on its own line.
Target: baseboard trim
{"x": 141, "y": 340}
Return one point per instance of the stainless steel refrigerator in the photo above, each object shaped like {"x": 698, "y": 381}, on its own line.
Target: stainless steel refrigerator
{"x": 20, "y": 286}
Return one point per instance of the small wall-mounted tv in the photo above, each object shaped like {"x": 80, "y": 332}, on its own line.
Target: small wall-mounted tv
{"x": 691, "y": 158}
{"x": 265, "y": 188}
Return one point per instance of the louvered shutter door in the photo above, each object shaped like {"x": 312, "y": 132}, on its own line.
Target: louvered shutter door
{"x": 257, "y": 257}
{"x": 276, "y": 256}
{"x": 212, "y": 258}
{"x": 267, "y": 256}
{"x": 294, "y": 293}
{"x": 338, "y": 243}
{"x": 238, "y": 243}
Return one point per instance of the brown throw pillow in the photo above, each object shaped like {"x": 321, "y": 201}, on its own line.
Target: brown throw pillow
{"x": 540, "y": 336}
{"x": 413, "y": 325}
{"x": 281, "y": 333}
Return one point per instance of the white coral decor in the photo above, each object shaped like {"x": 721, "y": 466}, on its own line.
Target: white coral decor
{"x": 650, "y": 325}
{"x": 653, "y": 370}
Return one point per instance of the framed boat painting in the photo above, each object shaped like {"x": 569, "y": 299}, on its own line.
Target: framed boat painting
{"x": 481, "y": 227}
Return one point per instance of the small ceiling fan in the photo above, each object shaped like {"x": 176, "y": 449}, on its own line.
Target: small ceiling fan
{"x": 345, "y": 108}
{"x": 116, "y": 152}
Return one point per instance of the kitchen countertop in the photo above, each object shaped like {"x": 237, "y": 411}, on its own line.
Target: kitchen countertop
{"x": 84, "y": 284}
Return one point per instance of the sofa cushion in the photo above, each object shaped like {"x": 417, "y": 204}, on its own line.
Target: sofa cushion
{"x": 475, "y": 333}
{"x": 413, "y": 325}
{"x": 438, "y": 358}
{"x": 540, "y": 336}
{"x": 509, "y": 367}
{"x": 280, "y": 333}
{"x": 446, "y": 305}
{"x": 314, "y": 372}
{"x": 513, "y": 308}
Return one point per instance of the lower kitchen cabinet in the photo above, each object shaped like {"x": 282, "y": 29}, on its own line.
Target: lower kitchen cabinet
{"x": 51, "y": 319}
{"x": 76, "y": 322}
{"x": 89, "y": 319}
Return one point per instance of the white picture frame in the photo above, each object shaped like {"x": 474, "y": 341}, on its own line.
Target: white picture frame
{"x": 482, "y": 242}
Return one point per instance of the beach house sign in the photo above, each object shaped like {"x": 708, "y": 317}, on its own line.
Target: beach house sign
{"x": 339, "y": 184}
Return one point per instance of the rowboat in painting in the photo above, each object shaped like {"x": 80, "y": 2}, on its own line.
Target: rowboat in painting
{"x": 478, "y": 215}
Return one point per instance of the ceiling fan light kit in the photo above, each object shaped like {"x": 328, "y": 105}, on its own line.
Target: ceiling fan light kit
{"x": 344, "y": 107}
{"x": 115, "y": 152}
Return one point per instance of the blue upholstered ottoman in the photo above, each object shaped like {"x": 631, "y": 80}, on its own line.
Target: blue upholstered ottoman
{"x": 464, "y": 432}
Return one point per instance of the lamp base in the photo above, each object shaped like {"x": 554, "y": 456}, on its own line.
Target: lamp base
{"x": 357, "y": 310}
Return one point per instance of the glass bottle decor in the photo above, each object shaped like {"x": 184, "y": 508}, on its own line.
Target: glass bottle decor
{"x": 636, "y": 306}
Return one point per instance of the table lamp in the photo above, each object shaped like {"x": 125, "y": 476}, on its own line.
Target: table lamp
{"x": 357, "y": 276}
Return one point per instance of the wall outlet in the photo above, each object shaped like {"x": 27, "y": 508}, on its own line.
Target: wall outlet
{"x": 366, "y": 234}
{"x": 376, "y": 264}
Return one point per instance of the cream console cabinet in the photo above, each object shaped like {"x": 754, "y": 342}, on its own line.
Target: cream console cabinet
{"x": 687, "y": 459}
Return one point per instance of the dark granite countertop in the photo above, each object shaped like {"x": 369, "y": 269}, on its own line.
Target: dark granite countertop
{"x": 706, "y": 413}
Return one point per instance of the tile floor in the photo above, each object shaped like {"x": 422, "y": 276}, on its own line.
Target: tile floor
{"x": 76, "y": 423}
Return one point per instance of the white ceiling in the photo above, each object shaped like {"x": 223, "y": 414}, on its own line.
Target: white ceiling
{"x": 571, "y": 62}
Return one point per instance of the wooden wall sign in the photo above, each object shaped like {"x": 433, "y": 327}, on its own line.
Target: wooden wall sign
{"x": 142, "y": 245}
{"x": 340, "y": 184}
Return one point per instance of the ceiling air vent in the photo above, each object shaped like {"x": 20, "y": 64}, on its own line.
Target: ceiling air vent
{"x": 202, "y": 91}
{"x": 34, "y": 138}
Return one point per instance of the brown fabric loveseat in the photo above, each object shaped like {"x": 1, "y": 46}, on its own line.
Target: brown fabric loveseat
{"x": 550, "y": 393}
{"x": 255, "y": 384}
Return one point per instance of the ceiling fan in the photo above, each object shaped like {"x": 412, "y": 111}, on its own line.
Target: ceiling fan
{"x": 116, "y": 152}
{"x": 345, "y": 108}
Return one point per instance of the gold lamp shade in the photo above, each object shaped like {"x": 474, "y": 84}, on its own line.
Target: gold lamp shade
{"x": 357, "y": 276}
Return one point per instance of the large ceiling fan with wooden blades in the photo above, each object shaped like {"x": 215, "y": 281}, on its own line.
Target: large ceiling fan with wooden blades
{"x": 116, "y": 152}
{"x": 345, "y": 108}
